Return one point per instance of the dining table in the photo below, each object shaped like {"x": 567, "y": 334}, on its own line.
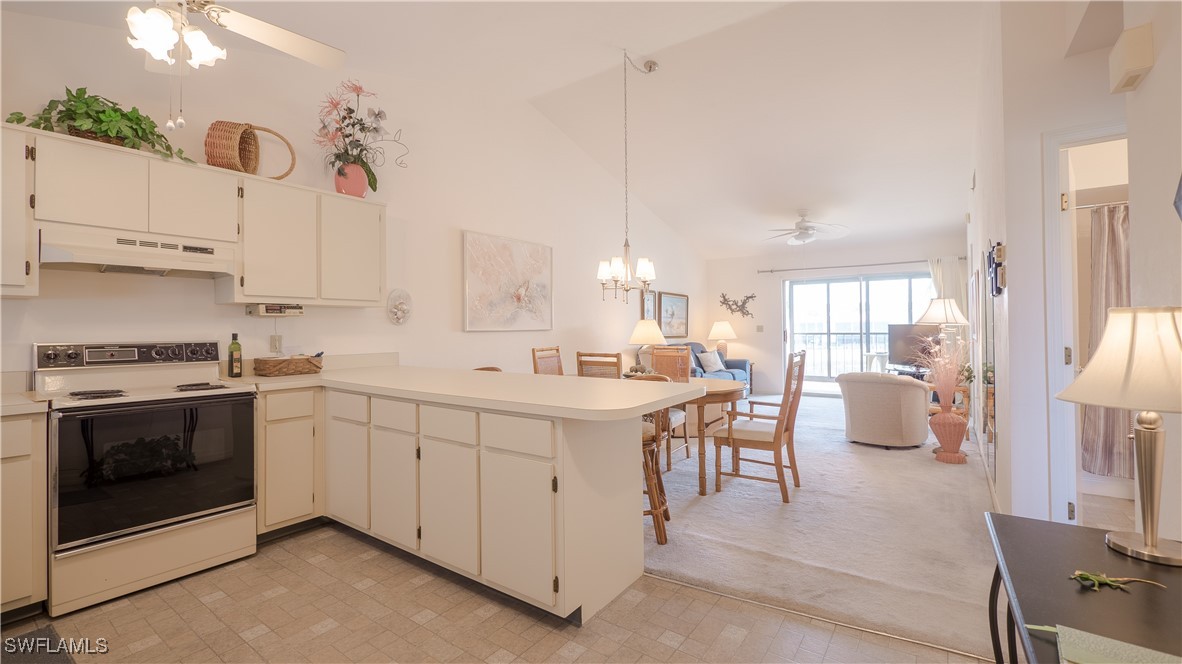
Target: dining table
{"x": 718, "y": 391}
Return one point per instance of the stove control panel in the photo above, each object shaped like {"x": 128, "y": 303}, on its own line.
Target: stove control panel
{"x": 66, "y": 356}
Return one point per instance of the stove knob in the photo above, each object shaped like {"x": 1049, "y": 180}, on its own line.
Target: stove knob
{"x": 210, "y": 351}
{"x": 158, "y": 353}
{"x": 73, "y": 355}
{"x": 174, "y": 351}
{"x": 194, "y": 352}
{"x": 50, "y": 356}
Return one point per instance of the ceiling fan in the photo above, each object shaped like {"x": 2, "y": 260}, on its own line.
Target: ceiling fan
{"x": 806, "y": 230}
{"x": 158, "y": 29}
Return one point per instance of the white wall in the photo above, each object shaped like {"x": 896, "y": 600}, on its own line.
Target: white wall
{"x": 739, "y": 276}
{"x": 1154, "y": 113}
{"x": 491, "y": 165}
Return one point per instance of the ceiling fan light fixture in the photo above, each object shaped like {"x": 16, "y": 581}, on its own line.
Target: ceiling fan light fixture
{"x": 201, "y": 50}
{"x": 152, "y": 31}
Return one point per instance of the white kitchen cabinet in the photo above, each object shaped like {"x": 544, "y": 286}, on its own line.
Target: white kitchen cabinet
{"x": 192, "y": 202}
{"x": 23, "y": 489}
{"x": 351, "y": 250}
{"x": 394, "y": 486}
{"x": 288, "y": 458}
{"x": 449, "y": 503}
{"x": 92, "y": 185}
{"x": 278, "y": 243}
{"x": 347, "y": 458}
{"x": 19, "y": 269}
{"x": 517, "y": 547}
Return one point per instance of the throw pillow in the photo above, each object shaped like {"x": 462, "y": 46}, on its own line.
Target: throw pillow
{"x": 711, "y": 362}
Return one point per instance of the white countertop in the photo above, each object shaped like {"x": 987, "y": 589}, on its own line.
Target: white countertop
{"x": 571, "y": 397}
{"x": 20, "y": 403}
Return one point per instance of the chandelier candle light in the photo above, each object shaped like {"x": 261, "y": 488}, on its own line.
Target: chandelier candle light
{"x": 616, "y": 275}
{"x": 1138, "y": 366}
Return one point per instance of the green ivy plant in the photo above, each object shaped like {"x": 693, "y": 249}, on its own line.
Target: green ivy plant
{"x": 87, "y": 112}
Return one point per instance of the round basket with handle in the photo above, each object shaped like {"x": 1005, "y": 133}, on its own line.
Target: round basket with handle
{"x": 235, "y": 145}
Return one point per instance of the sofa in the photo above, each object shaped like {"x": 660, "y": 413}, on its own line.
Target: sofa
{"x": 735, "y": 369}
{"x": 885, "y": 409}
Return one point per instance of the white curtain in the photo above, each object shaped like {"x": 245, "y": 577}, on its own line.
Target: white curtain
{"x": 1106, "y": 447}
{"x": 950, "y": 278}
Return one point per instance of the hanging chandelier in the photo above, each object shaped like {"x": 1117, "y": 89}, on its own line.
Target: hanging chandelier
{"x": 617, "y": 274}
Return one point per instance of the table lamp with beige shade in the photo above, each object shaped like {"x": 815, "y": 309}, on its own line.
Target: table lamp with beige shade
{"x": 1138, "y": 366}
{"x": 722, "y": 332}
{"x": 942, "y": 311}
{"x": 646, "y": 333}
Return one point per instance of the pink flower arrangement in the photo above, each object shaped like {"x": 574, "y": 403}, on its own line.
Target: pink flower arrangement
{"x": 351, "y": 137}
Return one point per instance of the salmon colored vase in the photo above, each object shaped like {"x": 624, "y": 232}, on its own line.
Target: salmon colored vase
{"x": 354, "y": 182}
{"x": 949, "y": 429}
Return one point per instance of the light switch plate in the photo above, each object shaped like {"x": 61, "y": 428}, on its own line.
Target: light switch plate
{"x": 759, "y": 328}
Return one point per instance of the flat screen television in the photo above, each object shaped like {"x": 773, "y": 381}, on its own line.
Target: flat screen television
{"x": 905, "y": 343}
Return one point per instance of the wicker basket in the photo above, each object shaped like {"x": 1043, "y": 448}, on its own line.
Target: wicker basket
{"x": 91, "y": 136}
{"x": 234, "y": 145}
{"x": 287, "y": 366}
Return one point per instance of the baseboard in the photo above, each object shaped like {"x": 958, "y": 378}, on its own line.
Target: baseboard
{"x": 1099, "y": 485}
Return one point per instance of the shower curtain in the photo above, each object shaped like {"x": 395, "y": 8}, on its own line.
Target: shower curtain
{"x": 1104, "y": 437}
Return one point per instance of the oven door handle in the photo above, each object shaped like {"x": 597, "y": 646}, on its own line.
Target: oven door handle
{"x": 145, "y": 406}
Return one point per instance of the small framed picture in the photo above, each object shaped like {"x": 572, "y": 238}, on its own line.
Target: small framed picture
{"x": 648, "y": 305}
{"x": 673, "y": 312}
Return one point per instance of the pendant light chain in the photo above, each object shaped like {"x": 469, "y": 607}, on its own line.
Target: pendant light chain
{"x": 627, "y": 61}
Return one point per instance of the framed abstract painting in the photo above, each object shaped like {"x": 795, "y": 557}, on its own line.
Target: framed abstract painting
{"x": 508, "y": 284}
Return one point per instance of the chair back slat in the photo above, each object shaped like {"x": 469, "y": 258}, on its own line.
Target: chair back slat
{"x": 547, "y": 361}
{"x": 674, "y": 362}
{"x": 600, "y": 365}
{"x": 793, "y": 387}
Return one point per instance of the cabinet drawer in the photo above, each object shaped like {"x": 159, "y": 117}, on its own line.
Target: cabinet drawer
{"x": 517, "y": 434}
{"x": 448, "y": 424}
{"x": 288, "y": 405}
{"x": 400, "y": 415}
{"x": 16, "y": 437}
{"x": 348, "y": 406}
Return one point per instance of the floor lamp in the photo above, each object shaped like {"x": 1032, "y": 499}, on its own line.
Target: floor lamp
{"x": 1138, "y": 366}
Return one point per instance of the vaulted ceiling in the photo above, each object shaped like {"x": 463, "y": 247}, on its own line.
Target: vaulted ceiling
{"x": 861, "y": 112}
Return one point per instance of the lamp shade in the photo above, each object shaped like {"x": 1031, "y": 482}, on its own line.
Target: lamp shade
{"x": 1137, "y": 365}
{"x": 721, "y": 331}
{"x": 152, "y": 31}
{"x": 646, "y": 332}
{"x": 942, "y": 311}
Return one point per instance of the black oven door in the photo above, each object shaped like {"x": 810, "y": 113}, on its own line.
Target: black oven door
{"x": 125, "y": 468}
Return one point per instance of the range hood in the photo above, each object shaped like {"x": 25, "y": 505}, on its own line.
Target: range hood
{"x": 112, "y": 250}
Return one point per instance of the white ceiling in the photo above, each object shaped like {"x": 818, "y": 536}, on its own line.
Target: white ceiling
{"x": 861, "y": 112}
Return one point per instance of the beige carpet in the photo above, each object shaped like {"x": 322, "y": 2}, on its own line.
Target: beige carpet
{"x": 888, "y": 540}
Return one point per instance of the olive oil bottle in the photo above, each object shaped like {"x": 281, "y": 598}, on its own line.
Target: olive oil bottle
{"x": 235, "y": 349}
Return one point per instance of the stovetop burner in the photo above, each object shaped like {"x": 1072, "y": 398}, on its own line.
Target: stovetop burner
{"x": 195, "y": 387}
{"x": 83, "y": 395}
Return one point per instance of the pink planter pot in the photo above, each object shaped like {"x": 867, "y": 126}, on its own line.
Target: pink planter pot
{"x": 353, "y": 182}
{"x": 949, "y": 429}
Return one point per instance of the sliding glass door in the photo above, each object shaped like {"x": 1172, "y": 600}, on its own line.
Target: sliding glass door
{"x": 842, "y": 323}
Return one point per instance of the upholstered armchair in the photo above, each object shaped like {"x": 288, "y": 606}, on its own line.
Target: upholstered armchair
{"x": 884, "y": 409}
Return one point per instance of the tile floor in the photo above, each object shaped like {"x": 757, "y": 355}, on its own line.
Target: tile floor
{"x": 332, "y": 595}
{"x": 1107, "y": 513}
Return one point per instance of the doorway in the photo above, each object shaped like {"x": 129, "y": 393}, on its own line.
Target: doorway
{"x": 1087, "y": 251}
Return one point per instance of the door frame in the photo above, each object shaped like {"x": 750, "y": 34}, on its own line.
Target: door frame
{"x": 1060, "y": 310}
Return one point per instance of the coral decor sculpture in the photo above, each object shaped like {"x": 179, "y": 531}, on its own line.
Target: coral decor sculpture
{"x": 737, "y": 306}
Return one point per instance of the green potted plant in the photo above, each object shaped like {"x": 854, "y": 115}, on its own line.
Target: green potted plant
{"x": 98, "y": 118}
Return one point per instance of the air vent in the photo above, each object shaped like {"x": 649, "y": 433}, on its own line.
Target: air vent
{"x": 169, "y": 245}
{"x": 124, "y": 241}
{"x": 147, "y": 243}
{"x": 128, "y": 269}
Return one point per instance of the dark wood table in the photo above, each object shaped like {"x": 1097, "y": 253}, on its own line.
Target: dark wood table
{"x": 1035, "y": 560}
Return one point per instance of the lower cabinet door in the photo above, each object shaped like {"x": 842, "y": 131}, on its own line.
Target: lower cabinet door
{"x": 290, "y": 463}
{"x": 449, "y": 503}
{"x": 517, "y": 524}
{"x": 346, "y": 474}
{"x": 393, "y": 486}
{"x": 16, "y": 529}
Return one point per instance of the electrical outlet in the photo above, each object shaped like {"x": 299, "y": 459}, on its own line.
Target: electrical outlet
{"x": 276, "y": 343}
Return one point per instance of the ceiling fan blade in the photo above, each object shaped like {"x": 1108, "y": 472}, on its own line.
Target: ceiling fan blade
{"x": 831, "y": 231}
{"x": 788, "y": 232}
{"x": 278, "y": 38}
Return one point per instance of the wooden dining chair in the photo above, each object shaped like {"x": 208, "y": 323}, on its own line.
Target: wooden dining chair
{"x": 600, "y": 365}
{"x": 654, "y": 429}
{"x": 547, "y": 361}
{"x": 487, "y": 369}
{"x": 676, "y": 363}
{"x": 761, "y": 431}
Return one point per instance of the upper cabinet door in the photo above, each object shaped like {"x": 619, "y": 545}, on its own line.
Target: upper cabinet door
{"x": 278, "y": 241}
{"x": 95, "y": 186}
{"x": 14, "y": 197}
{"x": 351, "y": 250}
{"x": 192, "y": 202}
